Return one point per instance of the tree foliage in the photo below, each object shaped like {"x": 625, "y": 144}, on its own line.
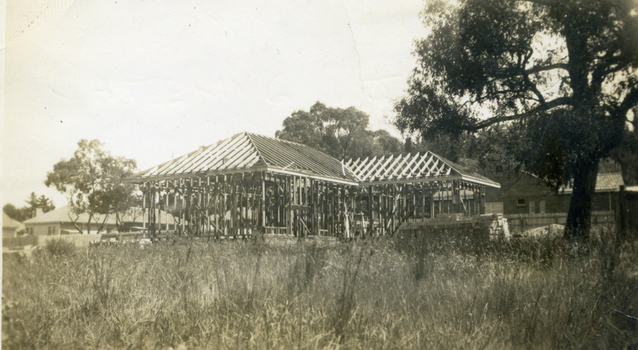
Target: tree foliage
{"x": 341, "y": 133}
{"x": 561, "y": 76}
{"x": 27, "y": 212}
{"x": 91, "y": 181}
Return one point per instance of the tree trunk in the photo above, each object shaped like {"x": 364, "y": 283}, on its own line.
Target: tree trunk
{"x": 580, "y": 207}
{"x": 101, "y": 227}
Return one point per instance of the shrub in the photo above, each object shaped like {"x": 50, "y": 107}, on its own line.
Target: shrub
{"x": 59, "y": 247}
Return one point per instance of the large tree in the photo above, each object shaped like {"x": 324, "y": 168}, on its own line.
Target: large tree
{"x": 341, "y": 133}
{"x": 91, "y": 181}
{"x": 561, "y": 75}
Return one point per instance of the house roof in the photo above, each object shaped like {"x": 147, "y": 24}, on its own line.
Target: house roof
{"x": 11, "y": 223}
{"x": 417, "y": 167}
{"x": 605, "y": 182}
{"x": 63, "y": 214}
{"x": 246, "y": 152}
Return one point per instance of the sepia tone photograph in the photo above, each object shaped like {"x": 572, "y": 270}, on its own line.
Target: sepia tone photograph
{"x": 343, "y": 174}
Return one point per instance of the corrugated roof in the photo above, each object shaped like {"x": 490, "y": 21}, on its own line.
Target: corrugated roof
{"x": 62, "y": 215}
{"x": 418, "y": 167}
{"x": 605, "y": 182}
{"x": 11, "y": 223}
{"x": 251, "y": 152}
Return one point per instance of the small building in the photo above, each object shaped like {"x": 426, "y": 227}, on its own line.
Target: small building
{"x": 60, "y": 222}
{"x": 10, "y": 227}
{"x": 527, "y": 202}
{"x": 527, "y": 194}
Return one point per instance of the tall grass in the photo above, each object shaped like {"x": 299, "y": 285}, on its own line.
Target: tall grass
{"x": 417, "y": 292}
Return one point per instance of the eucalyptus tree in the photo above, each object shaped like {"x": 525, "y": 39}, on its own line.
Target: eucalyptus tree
{"x": 341, "y": 133}
{"x": 559, "y": 75}
{"x": 92, "y": 183}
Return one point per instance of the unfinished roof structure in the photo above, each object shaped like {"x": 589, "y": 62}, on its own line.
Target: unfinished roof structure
{"x": 412, "y": 168}
{"x": 249, "y": 183}
{"x": 248, "y": 152}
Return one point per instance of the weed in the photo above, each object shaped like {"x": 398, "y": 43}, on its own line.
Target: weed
{"x": 59, "y": 247}
{"x": 346, "y": 303}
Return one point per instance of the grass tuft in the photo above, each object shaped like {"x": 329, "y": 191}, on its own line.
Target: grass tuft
{"x": 59, "y": 247}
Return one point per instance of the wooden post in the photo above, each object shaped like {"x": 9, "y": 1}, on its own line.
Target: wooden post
{"x": 288, "y": 205}
{"x": 263, "y": 201}
{"x": 143, "y": 208}
{"x": 622, "y": 217}
{"x": 482, "y": 200}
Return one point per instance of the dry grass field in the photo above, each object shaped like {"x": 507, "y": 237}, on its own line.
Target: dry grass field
{"x": 401, "y": 293}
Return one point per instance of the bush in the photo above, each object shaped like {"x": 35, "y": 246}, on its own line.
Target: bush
{"x": 59, "y": 247}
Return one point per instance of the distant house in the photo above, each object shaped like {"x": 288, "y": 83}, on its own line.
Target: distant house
{"x": 10, "y": 227}
{"x": 526, "y": 194}
{"x": 60, "y": 222}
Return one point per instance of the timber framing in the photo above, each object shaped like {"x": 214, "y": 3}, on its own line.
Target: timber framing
{"x": 249, "y": 184}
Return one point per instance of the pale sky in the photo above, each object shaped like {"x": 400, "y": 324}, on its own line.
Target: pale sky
{"x": 154, "y": 80}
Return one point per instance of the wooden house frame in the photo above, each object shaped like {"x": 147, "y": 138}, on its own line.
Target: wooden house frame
{"x": 251, "y": 183}
{"x": 401, "y": 187}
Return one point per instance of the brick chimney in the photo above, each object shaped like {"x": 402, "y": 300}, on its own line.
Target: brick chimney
{"x": 38, "y": 212}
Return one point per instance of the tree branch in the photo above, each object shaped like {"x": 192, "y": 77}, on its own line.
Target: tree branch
{"x": 513, "y": 72}
{"x": 538, "y": 69}
{"x": 533, "y": 86}
{"x": 74, "y": 222}
{"x": 544, "y": 2}
{"x": 630, "y": 101}
{"x": 561, "y": 101}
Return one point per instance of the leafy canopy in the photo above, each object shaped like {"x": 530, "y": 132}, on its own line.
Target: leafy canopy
{"x": 564, "y": 72}
{"x": 341, "y": 133}
{"x": 559, "y": 75}
{"x": 91, "y": 180}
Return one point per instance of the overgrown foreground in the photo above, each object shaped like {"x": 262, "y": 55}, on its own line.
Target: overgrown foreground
{"x": 384, "y": 294}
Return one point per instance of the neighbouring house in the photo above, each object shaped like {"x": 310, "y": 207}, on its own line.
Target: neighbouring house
{"x": 527, "y": 194}
{"x": 527, "y": 200}
{"x": 10, "y": 227}
{"x": 60, "y": 222}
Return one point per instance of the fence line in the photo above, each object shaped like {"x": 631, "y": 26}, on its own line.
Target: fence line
{"x": 79, "y": 240}
{"x": 522, "y": 222}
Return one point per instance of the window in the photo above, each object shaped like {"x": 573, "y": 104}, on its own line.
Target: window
{"x": 520, "y": 202}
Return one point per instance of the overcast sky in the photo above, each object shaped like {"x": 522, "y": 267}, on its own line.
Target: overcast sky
{"x": 154, "y": 80}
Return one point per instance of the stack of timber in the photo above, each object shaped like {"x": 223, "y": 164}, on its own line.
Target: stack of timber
{"x": 484, "y": 227}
